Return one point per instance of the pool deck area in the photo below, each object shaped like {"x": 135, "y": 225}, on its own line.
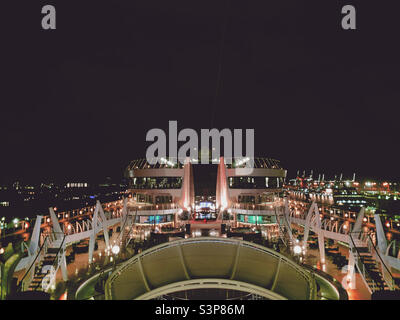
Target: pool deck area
{"x": 79, "y": 267}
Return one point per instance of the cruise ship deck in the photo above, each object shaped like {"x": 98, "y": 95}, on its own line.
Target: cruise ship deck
{"x": 242, "y": 236}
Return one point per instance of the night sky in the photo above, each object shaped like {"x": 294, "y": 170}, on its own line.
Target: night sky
{"x": 76, "y": 102}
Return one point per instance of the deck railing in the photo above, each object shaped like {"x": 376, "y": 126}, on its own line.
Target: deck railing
{"x": 386, "y": 273}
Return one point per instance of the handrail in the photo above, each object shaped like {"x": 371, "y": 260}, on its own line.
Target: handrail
{"x": 282, "y": 232}
{"x": 342, "y": 293}
{"x": 258, "y": 206}
{"x": 287, "y": 221}
{"x": 175, "y": 163}
{"x": 132, "y": 225}
{"x": 161, "y": 206}
{"x": 364, "y": 269}
{"x": 390, "y": 281}
{"x": 34, "y": 261}
{"x": 55, "y": 258}
{"x": 123, "y": 227}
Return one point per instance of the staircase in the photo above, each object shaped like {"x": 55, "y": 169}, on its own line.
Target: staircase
{"x": 375, "y": 278}
{"x": 282, "y": 236}
{"x": 42, "y": 271}
{"x": 283, "y": 233}
{"x": 125, "y": 236}
{"x": 369, "y": 263}
{"x": 126, "y": 229}
{"x": 46, "y": 266}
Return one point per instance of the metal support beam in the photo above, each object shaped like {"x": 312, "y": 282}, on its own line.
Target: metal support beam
{"x": 124, "y": 215}
{"x": 93, "y": 234}
{"x": 63, "y": 265}
{"x": 321, "y": 238}
{"x": 316, "y": 225}
{"x": 34, "y": 243}
{"x": 350, "y": 280}
{"x": 380, "y": 234}
{"x": 91, "y": 246}
{"x": 359, "y": 221}
{"x": 96, "y": 225}
{"x": 307, "y": 225}
{"x": 209, "y": 284}
{"x": 146, "y": 284}
{"x": 236, "y": 261}
{"x": 183, "y": 263}
{"x": 104, "y": 224}
{"x": 56, "y": 226}
{"x": 278, "y": 267}
{"x": 321, "y": 245}
{"x": 286, "y": 214}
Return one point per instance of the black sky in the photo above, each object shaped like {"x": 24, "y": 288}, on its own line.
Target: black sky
{"x": 76, "y": 102}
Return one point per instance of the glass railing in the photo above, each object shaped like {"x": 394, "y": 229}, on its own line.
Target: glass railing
{"x": 267, "y": 206}
{"x": 148, "y": 207}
